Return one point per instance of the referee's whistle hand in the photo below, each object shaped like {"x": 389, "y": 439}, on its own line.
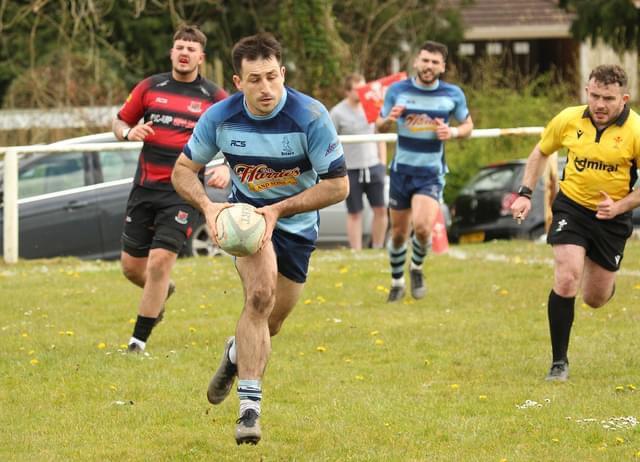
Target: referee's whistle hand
{"x": 520, "y": 209}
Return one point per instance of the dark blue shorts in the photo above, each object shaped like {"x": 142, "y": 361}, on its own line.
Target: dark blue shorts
{"x": 293, "y": 254}
{"x": 369, "y": 181}
{"x": 403, "y": 187}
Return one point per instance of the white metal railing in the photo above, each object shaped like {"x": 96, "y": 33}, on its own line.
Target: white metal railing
{"x": 10, "y": 199}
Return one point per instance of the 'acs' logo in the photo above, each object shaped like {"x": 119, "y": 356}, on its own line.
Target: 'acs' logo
{"x": 238, "y": 143}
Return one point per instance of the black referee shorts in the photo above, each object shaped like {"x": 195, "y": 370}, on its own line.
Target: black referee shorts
{"x": 604, "y": 240}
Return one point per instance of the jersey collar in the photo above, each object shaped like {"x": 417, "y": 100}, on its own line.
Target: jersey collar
{"x": 431, "y": 87}
{"x": 273, "y": 113}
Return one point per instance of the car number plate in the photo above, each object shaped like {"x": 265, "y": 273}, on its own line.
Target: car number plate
{"x": 472, "y": 237}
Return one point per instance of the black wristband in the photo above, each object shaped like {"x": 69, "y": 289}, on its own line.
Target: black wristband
{"x": 525, "y": 191}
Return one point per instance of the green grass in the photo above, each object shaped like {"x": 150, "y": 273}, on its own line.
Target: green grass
{"x": 434, "y": 380}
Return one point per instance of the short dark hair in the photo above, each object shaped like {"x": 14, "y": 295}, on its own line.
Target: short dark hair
{"x": 350, "y": 79}
{"x": 259, "y": 46}
{"x": 608, "y": 74}
{"x": 190, "y": 33}
{"x": 436, "y": 47}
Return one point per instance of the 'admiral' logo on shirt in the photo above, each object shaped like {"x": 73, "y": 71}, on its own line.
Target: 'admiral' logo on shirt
{"x": 584, "y": 163}
{"x": 332, "y": 147}
{"x": 261, "y": 177}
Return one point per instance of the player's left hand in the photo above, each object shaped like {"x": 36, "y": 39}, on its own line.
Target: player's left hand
{"x": 218, "y": 176}
{"x": 606, "y": 208}
{"x": 270, "y": 217}
{"x": 443, "y": 131}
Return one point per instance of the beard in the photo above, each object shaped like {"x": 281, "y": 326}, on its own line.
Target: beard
{"x": 428, "y": 78}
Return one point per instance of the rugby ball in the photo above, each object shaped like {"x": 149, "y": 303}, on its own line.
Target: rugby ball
{"x": 239, "y": 230}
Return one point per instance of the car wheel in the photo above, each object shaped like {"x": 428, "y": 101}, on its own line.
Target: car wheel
{"x": 200, "y": 243}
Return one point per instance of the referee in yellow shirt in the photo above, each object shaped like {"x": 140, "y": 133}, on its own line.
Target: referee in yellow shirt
{"x": 592, "y": 211}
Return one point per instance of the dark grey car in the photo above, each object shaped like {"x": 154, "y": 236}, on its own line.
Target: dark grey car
{"x": 73, "y": 204}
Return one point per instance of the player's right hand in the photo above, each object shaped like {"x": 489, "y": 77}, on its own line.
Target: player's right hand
{"x": 141, "y": 131}
{"x": 211, "y": 215}
{"x": 520, "y": 208}
{"x": 395, "y": 113}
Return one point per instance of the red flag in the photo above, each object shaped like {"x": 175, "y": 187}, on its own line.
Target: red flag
{"x": 372, "y": 94}
{"x": 439, "y": 240}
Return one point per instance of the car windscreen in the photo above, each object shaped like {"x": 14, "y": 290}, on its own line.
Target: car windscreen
{"x": 499, "y": 178}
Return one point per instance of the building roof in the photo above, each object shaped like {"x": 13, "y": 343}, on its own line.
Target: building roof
{"x": 513, "y": 19}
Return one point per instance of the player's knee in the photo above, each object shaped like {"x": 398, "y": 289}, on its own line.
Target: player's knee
{"x": 597, "y": 300}
{"x": 422, "y": 233}
{"x": 260, "y": 300}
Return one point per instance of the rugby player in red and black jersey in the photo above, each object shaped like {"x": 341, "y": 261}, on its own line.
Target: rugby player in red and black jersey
{"x": 161, "y": 111}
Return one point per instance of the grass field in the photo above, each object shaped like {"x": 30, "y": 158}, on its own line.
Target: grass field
{"x": 457, "y": 376}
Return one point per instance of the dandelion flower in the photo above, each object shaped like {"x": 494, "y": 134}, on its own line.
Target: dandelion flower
{"x": 455, "y": 386}
{"x": 427, "y": 362}
{"x": 359, "y": 377}
{"x": 338, "y": 285}
{"x": 348, "y": 360}
{"x": 344, "y": 269}
{"x": 619, "y": 440}
{"x": 381, "y": 288}
{"x": 308, "y": 301}
{"x": 34, "y": 362}
{"x": 555, "y": 440}
{"x": 113, "y": 388}
{"x": 301, "y": 353}
{"x": 102, "y": 346}
{"x": 619, "y": 388}
{"x": 24, "y": 334}
{"x": 192, "y": 329}
{"x": 69, "y": 333}
{"x": 132, "y": 321}
{"x": 482, "y": 397}
{"x": 631, "y": 387}
{"x": 374, "y": 332}
{"x": 504, "y": 292}
{"x": 321, "y": 349}
{"x": 379, "y": 341}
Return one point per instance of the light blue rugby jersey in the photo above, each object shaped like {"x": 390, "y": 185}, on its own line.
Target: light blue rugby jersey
{"x": 419, "y": 152}
{"x": 272, "y": 157}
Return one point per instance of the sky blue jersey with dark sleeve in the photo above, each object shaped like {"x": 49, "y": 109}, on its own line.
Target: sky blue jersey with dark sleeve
{"x": 419, "y": 152}
{"x": 272, "y": 157}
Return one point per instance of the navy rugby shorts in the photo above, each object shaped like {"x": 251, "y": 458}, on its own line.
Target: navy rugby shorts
{"x": 403, "y": 187}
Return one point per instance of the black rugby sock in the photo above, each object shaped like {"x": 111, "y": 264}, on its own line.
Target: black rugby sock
{"x": 561, "y": 312}
{"x": 143, "y": 328}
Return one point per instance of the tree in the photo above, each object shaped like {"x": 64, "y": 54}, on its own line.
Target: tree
{"x": 616, "y": 22}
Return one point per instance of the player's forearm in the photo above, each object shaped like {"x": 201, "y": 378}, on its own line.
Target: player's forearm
{"x": 465, "y": 128}
{"x": 536, "y": 164}
{"x": 323, "y": 194}
{"x": 188, "y": 186}
{"x": 629, "y": 202}
{"x": 117, "y": 126}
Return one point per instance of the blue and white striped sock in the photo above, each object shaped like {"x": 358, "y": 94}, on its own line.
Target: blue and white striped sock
{"x": 418, "y": 253}
{"x": 397, "y": 257}
{"x": 250, "y": 394}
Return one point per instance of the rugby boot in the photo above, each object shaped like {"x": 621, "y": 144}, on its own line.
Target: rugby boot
{"x": 222, "y": 380}
{"x": 248, "y": 428}
{"x": 559, "y": 371}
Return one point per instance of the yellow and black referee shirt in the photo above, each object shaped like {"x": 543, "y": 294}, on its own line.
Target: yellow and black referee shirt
{"x": 597, "y": 160}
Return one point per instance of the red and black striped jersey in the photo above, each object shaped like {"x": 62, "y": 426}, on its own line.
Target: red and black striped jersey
{"x": 174, "y": 108}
